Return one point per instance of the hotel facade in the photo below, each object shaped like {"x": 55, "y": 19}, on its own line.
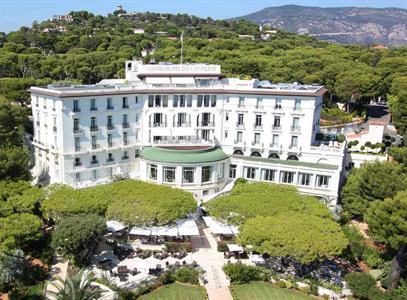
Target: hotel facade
{"x": 185, "y": 126}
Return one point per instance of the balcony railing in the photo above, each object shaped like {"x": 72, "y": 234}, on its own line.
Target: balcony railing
{"x": 125, "y": 106}
{"x": 94, "y": 162}
{"x": 125, "y": 125}
{"x": 126, "y": 143}
{"x": 295, "y": 128}
{"x": 95, "y": 146}
{"x": 240, "y": 125}
{"x": 76, "y": 109}
{"x": 94, "y": 128}
{"x": 110, "y": 144}
{"x": 182, "y": 124}
{"x": 277, "y": 106}
{"x": 258, "y": 126}
{"x": 77, "y": 130}
{"x": 158, "y": 124}
{"x": 238, "y": 142}
{"x": 125, "y": 157}
{"x": 77, "y": 164}
{"x": 38, "y": 123}
{"x": 93, "y": 109}
{"x": 109, "y": 107}
{"x": 276, "y": 128}
{"x": 54, "y": 128}
{"x": 110, "y": 160}
{"x": 207, "y": 124}
{"x": 110, "y": 127}
{"x": 256, "y": 143}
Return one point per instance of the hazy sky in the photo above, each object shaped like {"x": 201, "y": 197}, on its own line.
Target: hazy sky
{"x": 16, "y": 13}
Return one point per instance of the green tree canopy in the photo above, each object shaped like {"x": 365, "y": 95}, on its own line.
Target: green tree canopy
{"x": 370, "y": 182}
{"x": 77, "y": 236}
{"x": 247, "y": 200}
{"x": 305, "y": 238}
{"x": 19, "y": 231}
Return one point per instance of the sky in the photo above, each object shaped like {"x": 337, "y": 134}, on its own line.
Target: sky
{"x": 17, "y": 13}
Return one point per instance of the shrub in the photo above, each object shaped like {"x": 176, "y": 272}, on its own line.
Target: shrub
{"x": 178, "y": 247}
{"x": 362, "y": 148}
{"x": 340, "y": 138}
{"x": 371, "y": 256}
{"x": 319, "y": 136}
{"x": 368, "y": 144}
{"x": 360, "y": 284}
{"x": 167, "y": 277}
{"x": 240, "y": 273}
{"x": 281, "y": 284}
{"x": 240, "y": 180}
{"x": 187, "y": 275}
{"x": 222, "y": 246}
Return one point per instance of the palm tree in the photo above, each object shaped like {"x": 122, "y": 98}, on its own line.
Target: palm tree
{"x": 75, "y": 287}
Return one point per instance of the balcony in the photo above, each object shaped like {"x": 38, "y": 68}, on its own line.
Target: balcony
{"x": 95, "y": 146}
{"x": 79, "y": 149}
{"x": 158, "y": 124}
{"x": 110, "y": 127}
{"x": 77, "y": 131}
{"x": 37, "y": 123}
{"x": 110, "y": 160}
{"x": 183, "y": 142}
{"x": 94, "y": 128}
{"x": 207, "y": 124}
{"x": 93, "y": 109}
{"x": 110, "y": 145}
{"x": 182, "y": 124}
{"x": 54, "y": 128}
{"x": 240, "y": 125}
{"x": 258, "y": 126}
{"x": 239, "y": 142}
{"x": 109, "y": 107}
{"x": 295, "y": 129}
{"x": 256, "y": 144}
{"x": 277, "y": 107}
{"x": 77, "y": 164}
{"x": 125, "y": 106}
{"x": 76, "y": 109}
{"x": 125, "y": 125}
{"x": 94, "y": 162}
{"x": 125, "y": 157}
{"x": 293, "y": 147}
{"x": 126, "y": 143}
{"x": 276, "y": 128}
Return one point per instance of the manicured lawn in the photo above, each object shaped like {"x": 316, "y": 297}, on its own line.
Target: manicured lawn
{"x": 177, "y": 291}
{"x": 265, "y": 291}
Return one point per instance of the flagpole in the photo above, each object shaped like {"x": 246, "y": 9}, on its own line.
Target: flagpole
{"x": 182, "y": 46}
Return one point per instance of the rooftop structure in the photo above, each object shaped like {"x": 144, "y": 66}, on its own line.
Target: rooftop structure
{"x": 186, "y": 126}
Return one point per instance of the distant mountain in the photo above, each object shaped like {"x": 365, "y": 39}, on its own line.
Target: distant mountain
{"x": 386, "y": 26}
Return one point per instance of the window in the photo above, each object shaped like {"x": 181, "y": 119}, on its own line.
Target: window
{"x": 125, "y": 155}
{"x": 203, "y": 82}
{"x": 189, "y": 100}
{"x": 206, "y": 100}
{"x": 77, "y": 162}
{"x": 94, "y": 159}
{"x": 110, "y": 172}
{"x": 157, "y": 101}
{"x": 110, "y": 157}
{"x": 76, "y": 105}
{"x": 77, "y": 144}
{"x": 152, "y": 172}
{"x": 109, "y": 140}
{"x": 150, "y": 100}
{"x": 213, "y": 100}
{"x": 94, "y": 142}
{"x": 182, "y": 101}
{"x": 93, "y": 105}
{"x": 250, "y": 173}
{"x": 136, "y": 99}
{"x": 226, "y": 116}
{"x": 294, "y": 141}
{"x": 206, "y": 173}
{"x": 241, "y": 101}
{"x": 221, "y": 171}
{"x": 109, "y": 103}
{"x": 76, "y": 125}
{"x": 297, "y": 104}
{"x": 278, "y": 104}
{"x": 304, "y": 179}
{"x": 109, "y": 122}
{"x": 77, "y": 177}
{"x": 259, "y": 103}
{"x": 258, "y": 121}
{"x": 175, "y": 99}
{"x": 125, "y": 139}
{"x": 93, "y": 126}
{"x": 256, "y": 138}
{"x": 269, "y": 175}
{"x": 200, "y": 100}
{"x": 188, "y": 175}
{"x": 232, "y": 171}
{"x": 94, "y": 174}
{"x": 226, "y": 134}
{"x": 125, "y": 102}
{"x": 274, "y": 142}
{"x": 165, "y": 100}
{"x": 322, "y": 181}
{"x": 125, "y": 121}
{"x": 277, "y": 122}
{"x": 169, "y": 174}
{"x": 296, "y": 123}
{"x": 240, "y": 119}
{"x": 287, "y": 177}
{"x": 239, "y": 137}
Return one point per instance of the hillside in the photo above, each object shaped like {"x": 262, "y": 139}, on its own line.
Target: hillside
{"x": 347, "y": 25}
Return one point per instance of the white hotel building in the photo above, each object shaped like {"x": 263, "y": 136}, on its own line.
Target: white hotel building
{"x": 185, "y": 126}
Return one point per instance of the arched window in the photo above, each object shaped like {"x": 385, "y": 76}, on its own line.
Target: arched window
{"x": 255, "y": 154}
{"x": 274, "y": 156}
{"x": 292, "y": 157}
{"x": 238, "y": 152}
